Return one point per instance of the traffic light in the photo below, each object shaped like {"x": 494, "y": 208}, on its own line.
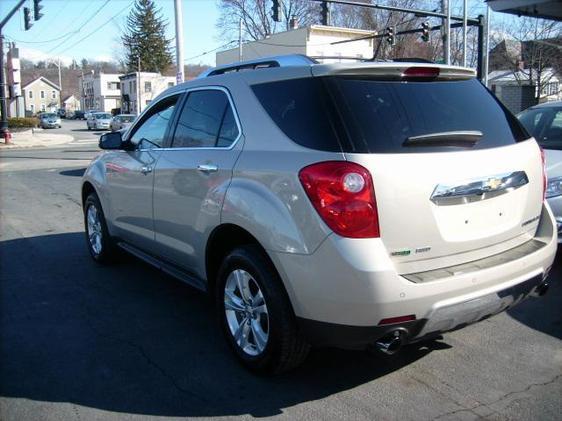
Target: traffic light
{"x": 390, "y": 35}
{"x": 425, "y": 32}
{"x": 27, "y": 18}
{"x": 276, "y": 11}
{"x": 37, "y": 9}
{"x": 325, "y": 13}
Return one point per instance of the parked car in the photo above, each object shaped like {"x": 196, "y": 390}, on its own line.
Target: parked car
{"x": 98, "y": 121}
{"x": 61, "y": 113}
{"x": 79, "y": 115}
{"x": 121, "y": 121}
{"x": 544, "y": 122}
{"x": 49, "y": 121}
{"x": 348, "y": 205}
{"x": 88, "y": 114}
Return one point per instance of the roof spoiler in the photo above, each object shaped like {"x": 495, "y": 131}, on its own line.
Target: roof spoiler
{"x": 395, "y": 71}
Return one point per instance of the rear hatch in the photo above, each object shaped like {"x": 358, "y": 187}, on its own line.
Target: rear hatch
{"x": 456, "y": 177}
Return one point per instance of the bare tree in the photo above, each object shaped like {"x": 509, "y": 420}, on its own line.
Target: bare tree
{"x": 532, "y": 50}
{"x": 257, "y": 22}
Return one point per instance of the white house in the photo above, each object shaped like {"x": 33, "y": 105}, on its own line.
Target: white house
{"x": 550, "y": 86}
{"x": 149, "y": 85}
{"x": 99, "y": 91}
{"x": 314, "y": 41}
{"x": 41, "y": 94}
{"x": 70, "y": 103}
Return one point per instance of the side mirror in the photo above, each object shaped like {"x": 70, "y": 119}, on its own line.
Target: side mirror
{"x": 111, "y": 140}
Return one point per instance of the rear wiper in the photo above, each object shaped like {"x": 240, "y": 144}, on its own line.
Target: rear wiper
{"x": 463, "y": 139}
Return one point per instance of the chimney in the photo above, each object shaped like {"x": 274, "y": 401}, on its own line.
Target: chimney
{"x": 293, "y": 23}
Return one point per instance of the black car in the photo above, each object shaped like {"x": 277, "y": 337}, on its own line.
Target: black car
{"x": 79, "y": 115}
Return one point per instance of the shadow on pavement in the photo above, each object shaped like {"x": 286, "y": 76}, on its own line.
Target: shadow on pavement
{"x": 130, "y": 339}
{"x": 73, "y": 173}
{"x": 545, "y": 313}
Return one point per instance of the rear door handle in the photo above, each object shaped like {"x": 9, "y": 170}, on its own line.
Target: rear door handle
{"x": 146, "y": 170}
{"x": 207, "y": 168}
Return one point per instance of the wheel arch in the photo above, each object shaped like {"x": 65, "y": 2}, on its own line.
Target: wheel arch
{"x": 222, "y": 240}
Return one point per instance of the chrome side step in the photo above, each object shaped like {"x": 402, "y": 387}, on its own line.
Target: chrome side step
{"x": 168, "y": 268}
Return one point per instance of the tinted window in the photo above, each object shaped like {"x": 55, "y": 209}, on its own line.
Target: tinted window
{"x": 300, "y": 109}
{"x": 229, "y": 129}
{"x": 150, "y": 133}
{"x": 376, "y": 116}
{"x": 206, "y": 120}
{"x": 545, "y": 124}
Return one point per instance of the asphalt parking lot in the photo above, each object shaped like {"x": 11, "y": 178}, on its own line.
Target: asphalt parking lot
{"x": 82, "y": 341}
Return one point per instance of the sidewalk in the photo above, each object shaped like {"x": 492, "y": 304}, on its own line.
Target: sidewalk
{"x": 35, "y": 138}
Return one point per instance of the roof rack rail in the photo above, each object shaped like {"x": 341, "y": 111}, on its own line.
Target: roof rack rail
{"x": 261, "y": 63}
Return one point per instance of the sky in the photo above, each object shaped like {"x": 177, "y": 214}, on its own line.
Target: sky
{"x": 64, "y": 28}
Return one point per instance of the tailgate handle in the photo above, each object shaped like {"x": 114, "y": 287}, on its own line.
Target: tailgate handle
{"x": 478, "y": 189}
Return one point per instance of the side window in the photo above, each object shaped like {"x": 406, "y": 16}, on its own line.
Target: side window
{"x": 229, "y": 129}
{"x": 150, "y": 133}
{"x": 206, "y": 121}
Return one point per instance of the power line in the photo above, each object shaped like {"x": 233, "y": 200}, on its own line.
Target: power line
{"x": 81, "y": 27}
{"x": 210, "y": 51}
{"x": 97, "y": 29}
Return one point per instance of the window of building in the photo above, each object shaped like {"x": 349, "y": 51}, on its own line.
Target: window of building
{"x": 147, "y": 86}
{"x": 206, "y": 121}
{"x": 113, "y": 86}
{"x": 32, "y": 108}
{"x": 550, "y": 88}
{"x": 43, "y": 106}
{"x": 134, "y": 85}
{"x": 53, "y": 94}
{"x": 42, "y": 94}
{"x": 30, "y": 94}
{"x": 170, "y": 84}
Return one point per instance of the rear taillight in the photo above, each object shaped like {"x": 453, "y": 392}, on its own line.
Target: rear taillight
{"x": 544, "y": 178}
{"x": 343, "y": 195}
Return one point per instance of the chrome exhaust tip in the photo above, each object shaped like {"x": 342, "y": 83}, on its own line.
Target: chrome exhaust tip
{"x": 391, "y": 343}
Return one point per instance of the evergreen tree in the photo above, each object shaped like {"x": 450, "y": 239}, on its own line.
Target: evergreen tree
{"x": 145, "y": 38}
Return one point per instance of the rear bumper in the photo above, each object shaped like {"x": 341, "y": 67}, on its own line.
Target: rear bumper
{"x": 443, "y": 319}
{"x": 555, "y": 204}
{"x": 353, "y": 285}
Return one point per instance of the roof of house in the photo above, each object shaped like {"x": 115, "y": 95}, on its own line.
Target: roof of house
{"x": 66, "y": 98}
{"x": 54, "y": 85}
{"x": 510, "y": 76}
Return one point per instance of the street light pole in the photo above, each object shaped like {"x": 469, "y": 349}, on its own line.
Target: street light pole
{"x": 179, "y": 41}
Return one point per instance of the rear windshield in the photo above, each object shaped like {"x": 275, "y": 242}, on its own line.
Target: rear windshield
{"x": 373, "y": 116}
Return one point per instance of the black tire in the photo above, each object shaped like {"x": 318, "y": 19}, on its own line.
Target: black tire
{"x": 285, "y": 348}
{"x": 109, "y": 250}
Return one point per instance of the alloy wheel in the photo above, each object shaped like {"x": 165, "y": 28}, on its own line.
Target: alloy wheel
{"x": 246, "y": 312}
{"x": 94, "y": 229}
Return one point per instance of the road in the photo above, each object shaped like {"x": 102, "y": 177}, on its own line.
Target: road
{"x": 78, "y": 130}
{"x": 82, "y": 341}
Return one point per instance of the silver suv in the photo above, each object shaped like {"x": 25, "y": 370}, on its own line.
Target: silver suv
{"x": 349, "y": 205}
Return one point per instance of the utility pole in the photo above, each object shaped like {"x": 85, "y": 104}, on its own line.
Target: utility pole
{"x": 486, "y": 47}
{"x": 138, "y": 85}
{"x": 240, "y": 41}
{"x": 179, "y": 41}
{"x": 464, "y": 31}
{"x": 447, "y": 31}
